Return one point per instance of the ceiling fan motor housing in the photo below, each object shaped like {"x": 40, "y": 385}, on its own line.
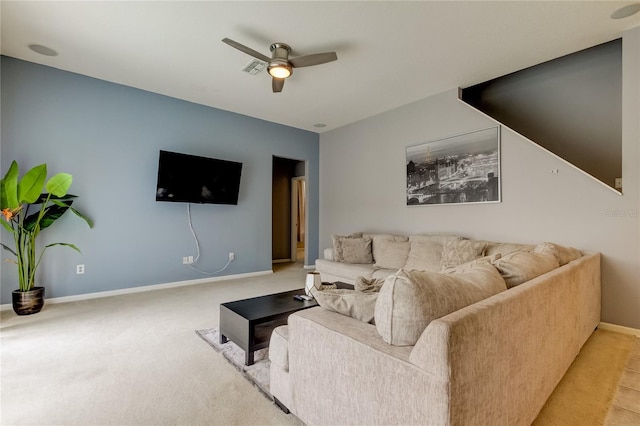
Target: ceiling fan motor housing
{"x": 280, "y": 52}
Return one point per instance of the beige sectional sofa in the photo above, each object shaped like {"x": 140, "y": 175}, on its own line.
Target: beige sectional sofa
{"x": 493, "y": 361}
{"x": 391, "y": 252}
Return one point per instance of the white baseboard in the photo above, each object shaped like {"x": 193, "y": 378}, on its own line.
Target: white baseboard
{"x": 281, "y": 260}
{"x": 141, "y": 289}
{"x": 309, "y": 266}
{"x": 619, "y": 329}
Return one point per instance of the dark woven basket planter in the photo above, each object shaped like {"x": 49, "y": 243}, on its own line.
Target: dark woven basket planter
{"x": 28, "y": 302}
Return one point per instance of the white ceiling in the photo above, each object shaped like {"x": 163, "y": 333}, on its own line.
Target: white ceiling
{"x": 389, "y": 53}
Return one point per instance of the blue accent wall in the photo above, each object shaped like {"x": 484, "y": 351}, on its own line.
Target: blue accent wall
{"x": 108, "y": 137}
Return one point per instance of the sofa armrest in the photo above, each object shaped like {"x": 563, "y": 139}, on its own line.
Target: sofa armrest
{"x": 334, "y": 359}
{"x": 517, "y": 344}
{"x": 328, "y": 254}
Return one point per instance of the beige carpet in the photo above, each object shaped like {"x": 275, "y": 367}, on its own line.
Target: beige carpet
{"x": 132, "y": 360}
{"x": 135, "y": 360}
{"x": 586, "y": 391}
{"x": 257, "y": 373}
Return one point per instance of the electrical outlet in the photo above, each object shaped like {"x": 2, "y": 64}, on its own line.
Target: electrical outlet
{"x": 185, "y": 260}
{"x": 79, "y": 269}
{"x": 232, "y": 256}
{"x": 618, "y": 183}
{"x": 189, "y": 260}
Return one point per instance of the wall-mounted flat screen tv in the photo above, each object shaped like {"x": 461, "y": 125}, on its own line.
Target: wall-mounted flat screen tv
{"x": 193, "y": 179}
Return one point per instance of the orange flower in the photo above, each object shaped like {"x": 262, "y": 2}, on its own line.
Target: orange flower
{"x": 8, "y": 213}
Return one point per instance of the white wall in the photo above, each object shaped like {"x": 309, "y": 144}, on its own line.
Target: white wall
{"x": 362, "y": 188}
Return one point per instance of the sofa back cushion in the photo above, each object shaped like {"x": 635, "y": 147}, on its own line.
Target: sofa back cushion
{"x": 410, "y": 300}
{"x": 563, "y": 254}
{"x": 425, "y": 253}
{"x": 521, "y": 266}
{"x": 506, "y": 248}
{"x": 458, "y": 251}
{"x": 351, "y": 303}
{"x": 389, "y": 251}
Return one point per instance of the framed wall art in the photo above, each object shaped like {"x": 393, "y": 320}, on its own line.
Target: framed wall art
{"x": 459, "y": 169}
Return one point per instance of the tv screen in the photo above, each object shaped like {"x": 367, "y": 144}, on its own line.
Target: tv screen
{"x": 192, "y": 179}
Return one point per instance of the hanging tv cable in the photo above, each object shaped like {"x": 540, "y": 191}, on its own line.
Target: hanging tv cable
{"x": 193, "y": 232}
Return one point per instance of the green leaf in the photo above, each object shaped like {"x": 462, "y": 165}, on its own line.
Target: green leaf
{"x": 8, "y": 249}
{"x": 30, "y": 186}
{"x": 52, "y": 214}
{"x": 59, "y": 184}
{"x": 7, "y": 226}
{"x": 80, "y": 215}
{"x": 64, "y": 244}
{"x": 9, "y": 188}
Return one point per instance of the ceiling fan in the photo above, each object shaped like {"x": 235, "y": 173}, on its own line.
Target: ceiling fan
{"x": 280, "y": 66}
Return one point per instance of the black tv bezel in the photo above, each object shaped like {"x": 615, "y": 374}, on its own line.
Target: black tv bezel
{"x": 200, "y": 161}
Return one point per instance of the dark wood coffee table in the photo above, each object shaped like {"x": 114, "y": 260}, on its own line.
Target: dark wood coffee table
{"x": 249, "y": 322}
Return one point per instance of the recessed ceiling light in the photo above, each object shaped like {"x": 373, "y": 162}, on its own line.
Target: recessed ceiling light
{"x": 319, "y": 125}
{"x": 43, "y": 50}
{"x": 626, "y": 11}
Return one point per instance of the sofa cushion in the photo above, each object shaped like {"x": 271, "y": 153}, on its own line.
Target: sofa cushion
{"x": 383, "y": 273}
{"x": 368, "y": 285}
{"x": 377, "y": 242}
{"x": 342, "y": 269}
{"x": 425, "y": 252}
{"x": 410, "y": 300}
{"x": 279, "y": 347}
{"x": 563, "y": 254}
{"x": 356, "y": 250}
{"x": 459, "y": 251}
{"x": 337, "y": 244}
{"x": 521, "y": 266}
{"x": 506, "y": 248}
{"x": 354, "y": 304}
{"x": 390, "y": 253}
{"x": 468, "y": 266}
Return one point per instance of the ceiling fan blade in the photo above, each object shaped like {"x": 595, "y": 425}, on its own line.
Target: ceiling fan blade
{"x": 315, "y": 59}
{"x": 247, "y": 50}
{"x": 277, "y": 84}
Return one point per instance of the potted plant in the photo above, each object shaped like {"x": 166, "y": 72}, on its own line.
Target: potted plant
{"x": 26, "y": 211}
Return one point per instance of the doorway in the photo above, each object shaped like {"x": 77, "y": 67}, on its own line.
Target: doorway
{"x": 289, "y": 210}
{"x": 298, "y": 218}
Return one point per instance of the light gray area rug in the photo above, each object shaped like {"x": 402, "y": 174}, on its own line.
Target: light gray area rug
{"x": 258, "y": 373}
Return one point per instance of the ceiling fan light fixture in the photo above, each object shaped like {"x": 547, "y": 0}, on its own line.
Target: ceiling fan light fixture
{"x": 280, "y": 70}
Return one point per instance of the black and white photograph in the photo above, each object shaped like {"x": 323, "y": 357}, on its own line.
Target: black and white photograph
{"x": 455, "y": 170}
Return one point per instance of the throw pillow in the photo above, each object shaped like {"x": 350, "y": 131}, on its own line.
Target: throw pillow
{"x": 521, "y": 266}
{"x": 456, "y": 252}
{"x": 368, "y": 285}
{"x": 351, "y": 303}
{"x": 356, "y": 250}
{"x": 337, "y": 245}
{"x": 410, "y": 300}
{"x": 466, "y": 267}
{"x": 390, "y": 254}
{"x": 563, "y": 254}
{"x": 426, "y": 252}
